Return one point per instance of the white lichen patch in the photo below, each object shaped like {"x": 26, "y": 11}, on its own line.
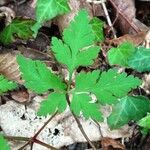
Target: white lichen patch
{"x": 18, "y": 120}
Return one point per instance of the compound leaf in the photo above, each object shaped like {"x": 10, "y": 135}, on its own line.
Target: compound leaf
{"x": 121, "y": 54}
{"x": 4, "y": 144}
{"x": 107, "y": 86}
{"x": 38, "y": 77}
{"x": 77, "y": 47}
{"x": 140, "y": 61}
{"x": 127, "y": 109}
{"x": 48, "y": 9}
{"x": 97, "y": 27}
{"x": 81, "y": 103}
{"x": 113, "y": 85}
{"x": 6, "y": 85}
{"x": 18, "y": 28}
{"x": 54, "y": 102}
{"x": 86, "y": 81}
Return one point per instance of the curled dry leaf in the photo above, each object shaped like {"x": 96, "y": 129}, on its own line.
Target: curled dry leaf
{"x": 125, "y": 17}
{"x": 9, "y": 67}
{"x": 109, "y": 144}
{"x": 21, "y": 96}
{"x": 135, "y": 39}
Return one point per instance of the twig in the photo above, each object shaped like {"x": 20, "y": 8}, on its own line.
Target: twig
{"x": 39, "y": 131}
{"x": 33, "y": 139}
{"x": 80, "y": 125}
{"x": 24, "y": 146}
{"x": 99, "y": 127}
{"x": 102, "y": 2}
{"x": 14, "y": 138}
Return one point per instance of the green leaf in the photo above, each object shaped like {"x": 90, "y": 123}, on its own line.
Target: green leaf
{"x": 82, "y": 103}
{"x": 38, "y": 77}
{"x": 48, "y": 9}
{"x": 97, "y": 27}
{"x": 121, "y": 54}
{"x": 54, "y": 102}
{"x": 3, "y": 144}
{"x": 18, "y": 28}
{"x": 127, "y": 109}
{"x": 107, "y": 86}
{"x": 77, "y": 47}
{"x": 6, "y": 85}
{"x": 145, "y": 122}
{"x": 140, "y": 61}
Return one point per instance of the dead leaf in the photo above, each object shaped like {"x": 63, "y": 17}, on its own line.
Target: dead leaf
{"x": 135, "y": 39}
{"x": 111, "y": 144}
{"x": 8, "y": 65}
{"x": 126, "y": 18}
{"x": 20, "y": 96}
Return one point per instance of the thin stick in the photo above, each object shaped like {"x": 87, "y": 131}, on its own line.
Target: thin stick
{"x": 24, "y": 146}
{"x": 108, "y": 19}
{"x": 38, "y": 132}
{"x": 102, "y": 2}
{"x": 99, "y": 127}
{"x": 14, "y": 138}
{"x": 45, "y": 124}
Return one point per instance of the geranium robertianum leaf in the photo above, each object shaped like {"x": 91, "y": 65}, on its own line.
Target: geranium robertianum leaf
{"x": 107, "y": 86}
{"x": 54, "y": 102}
{"x": 19, "y": 28}
{"x": 82, "y": 103}
{"x": 127, "y": 109}
{"x": 38, "y": 77}
{"x": 97, "y": 27}
{"x": 6, "y": 85}
{"x": 77, "y": 47}
{"x": 48, "y": 9}
{"x": 121, "y": 54}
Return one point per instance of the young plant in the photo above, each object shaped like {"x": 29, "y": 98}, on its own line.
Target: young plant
{"x": 77, "y": 48}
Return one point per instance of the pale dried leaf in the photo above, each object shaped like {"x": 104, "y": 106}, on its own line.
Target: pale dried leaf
{"x": 9, "y": 66}
{"x": 111, "y": 144}
{"x": 20, "y": 96}
{"x": 125, "y": 15}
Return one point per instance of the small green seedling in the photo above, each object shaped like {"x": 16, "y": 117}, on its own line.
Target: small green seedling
{"x": 77, "y": 48}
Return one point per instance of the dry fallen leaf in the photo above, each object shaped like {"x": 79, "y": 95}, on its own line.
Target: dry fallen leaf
{"x": 8, "y": 65}
{"x": 111, "y": 144}
{"x": 135, "y": 39}
{"x": 126, "y": 18}
{"x": 20, "y": 96}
